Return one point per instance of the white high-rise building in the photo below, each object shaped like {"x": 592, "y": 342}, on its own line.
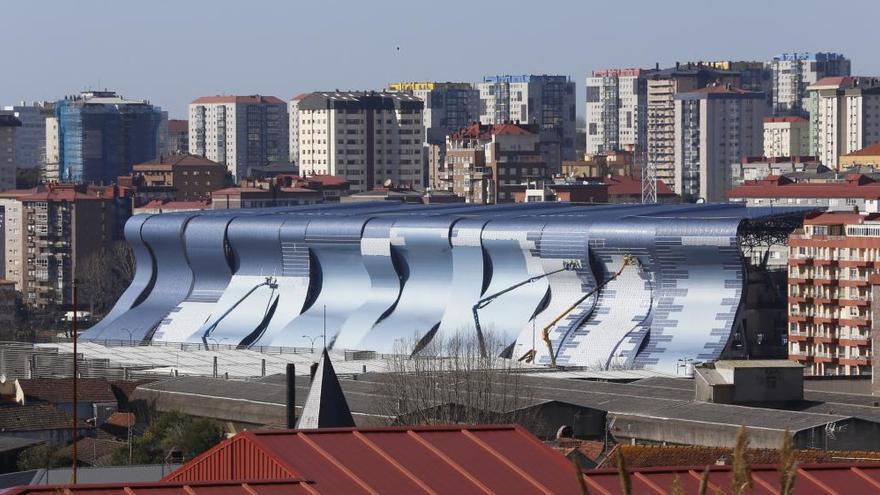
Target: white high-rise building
{"x": 786, "y": 137}
{"x": 715, "y": 127}
{"x": 546, "y": 101}
{"x": 366, "y": 137}
{"x": 239, "y": 131}
{"x": 293, "y": 122}
{"x": 617, "y": 108}
{"x": 844, "y": 116}
{"x": 793, "y": 72}
{"x": 30, "y": 142}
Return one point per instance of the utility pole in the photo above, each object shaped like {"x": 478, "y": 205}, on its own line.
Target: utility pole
{"x": 75, "y": 373}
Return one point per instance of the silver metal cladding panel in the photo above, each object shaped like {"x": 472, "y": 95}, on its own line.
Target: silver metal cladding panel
{"x": 385, "y": 284}
{"x": 145, "y": 272}
{"x": 422, "y": 248}
{"x": 163, "y": 234}
{"x": 245, "y": 304}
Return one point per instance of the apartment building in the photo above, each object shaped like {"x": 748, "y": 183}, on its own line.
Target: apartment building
{"x": 547, "y": 101}
{"x": 662, "y": 87}
{"x": 30, "y": 142}
{"x": 449, "y": 106}
{"x": 617, "y": 110}
{"x": 844, "y": 116}
{"x": 239, "y": 131}
{"x": 786, "y": 136}
{"x": 714, "y": 127}
{"x": 367, "y": 138}
{"x": 793, "y": 73}
{"x": 9, "y": 127}
{"x": 101, "y": 134}
{"x": 488, "y": 163}
{"x": 293, "y": 124}
{"x": 830, "y": 276}
{"x": 177, "y": 177}
{"x": 52, "y": 228}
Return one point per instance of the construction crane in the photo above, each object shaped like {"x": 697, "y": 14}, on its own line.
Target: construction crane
{"x": 567, "y": 265}
{"x": 529, "y": 356}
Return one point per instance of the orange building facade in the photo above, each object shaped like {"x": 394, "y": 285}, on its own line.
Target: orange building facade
{"x": 831, "y": 270}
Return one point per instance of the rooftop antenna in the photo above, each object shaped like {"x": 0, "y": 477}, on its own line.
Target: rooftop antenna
{"x": 649, "y": 182}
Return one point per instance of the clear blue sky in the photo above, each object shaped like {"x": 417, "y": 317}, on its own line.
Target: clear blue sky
{"x": 172, "y": 51}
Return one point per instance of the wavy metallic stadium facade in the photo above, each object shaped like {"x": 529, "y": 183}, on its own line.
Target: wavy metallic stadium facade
{"x": 375, "y": 273}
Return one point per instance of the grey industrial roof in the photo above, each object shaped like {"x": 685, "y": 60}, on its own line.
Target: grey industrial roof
{"x": 671, "y": 403}
{"x": 109, "y": 474}
{"x": 15, "y": 443}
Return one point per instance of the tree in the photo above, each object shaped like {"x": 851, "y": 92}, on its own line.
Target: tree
{"x": 42, "y": 456}
{"x": 104, "y": 275}
{"x": 171, "y": 431}
{"x": 455, "y": 380}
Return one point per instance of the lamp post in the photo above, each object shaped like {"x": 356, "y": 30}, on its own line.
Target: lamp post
{"x": 217, "y": 342}
{"x": 312, "y": 341}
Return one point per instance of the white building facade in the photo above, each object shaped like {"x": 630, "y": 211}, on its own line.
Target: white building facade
{"x": 367, "y": 138}
{"x": 845, "y": 116}
{"x": 786, "y": 136}
{"x": 714, "y": 127}
{"x": 616, "y": 110}
{"x": 239, "y": 131}
{"x": 545, "y": 100}
{"x": 792, "y": 73}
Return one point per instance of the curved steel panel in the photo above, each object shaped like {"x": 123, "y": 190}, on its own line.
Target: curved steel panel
{"x": 163, "y": 234}
{"x": 512, "y": 248}
{"x": 246, "y": 302}
{"x": 385, "y": 284}
{"x": 425, "y": 254}
{"x": 145, "y": 273}
{"x": 467, "y": 279}
{"x": 205, "y": 238}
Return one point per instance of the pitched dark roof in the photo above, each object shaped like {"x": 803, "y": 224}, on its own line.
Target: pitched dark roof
{"x": 34, "y": 417}
{"x": 60, "y": 390}
{"x": 325, "y": 406}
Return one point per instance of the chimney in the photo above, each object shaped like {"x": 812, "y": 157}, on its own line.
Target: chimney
{"x": 291, "y": 395}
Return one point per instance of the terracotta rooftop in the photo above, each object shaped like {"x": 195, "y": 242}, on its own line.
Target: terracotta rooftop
{"x": 176, "y": 205}
{"x": 328, "y": 180}
{"x": 432, "y": 459}
{"x": 834, "y": 81}
{"x": 60, "y": 390}
{"x": 627, "y": 186}
{"x": 480, "y": 131}
{"x": 784, "y": 119}
{"x": 238, "y": 99}
{"x": 176, "y": 159}
{"x": 774, "y": 186}
{"x": 122, "y": 419}
{"x": 872, "y": 150}
{"x": 58, "y": 192}
{"x": 839, "y": 218}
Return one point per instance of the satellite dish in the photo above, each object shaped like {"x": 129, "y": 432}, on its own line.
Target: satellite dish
{"x": 3, "y": 378}
{"x": 386, "y": 183}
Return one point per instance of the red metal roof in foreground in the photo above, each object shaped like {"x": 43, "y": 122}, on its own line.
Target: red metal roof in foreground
{"x": 837, "y": 478}
{"x": 264, "y": 487}
{"x": 445, "y": 459}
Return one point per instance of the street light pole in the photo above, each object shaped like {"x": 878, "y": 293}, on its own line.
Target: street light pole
{"x": 312, "y": 341}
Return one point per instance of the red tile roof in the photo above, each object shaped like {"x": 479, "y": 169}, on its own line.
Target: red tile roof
{"x": 328, "y": 180}
{"x": 238, "y": 99}
{"x": 480, "y": 131}
{"x": 177, "y": 205}
{"x": 439, "y": 459}
{"x": 846, "y": 478}
{"x": 872, "y": 150}
{"x": 621, "y": 185}
{"x": 784, "y": 119}
{"x": 176, "y": 159}
{"x": 60, "y": 390}
{"x": 58, "y": 192}
{"x": 834, "y": 81}
{"x": 773, "y": 186}
{"x": 122, "y": 419}
{"x": 260, "y": 487}
{"x": 838, "y": 218}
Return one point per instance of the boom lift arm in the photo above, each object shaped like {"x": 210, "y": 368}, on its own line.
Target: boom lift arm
{"x": 529, "y": 356}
